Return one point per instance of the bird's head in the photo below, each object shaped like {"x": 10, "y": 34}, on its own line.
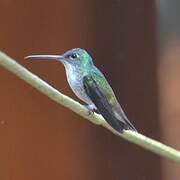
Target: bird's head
{"x": 72, "y": 57}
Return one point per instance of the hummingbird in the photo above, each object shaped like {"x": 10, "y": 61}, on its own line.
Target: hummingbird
{"x": 90, "y": 85}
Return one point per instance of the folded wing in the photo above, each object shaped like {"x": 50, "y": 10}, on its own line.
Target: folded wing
{"x": 101, "y": 94}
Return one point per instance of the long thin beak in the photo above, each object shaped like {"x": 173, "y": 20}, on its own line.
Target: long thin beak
{"x": 54, "y": 57}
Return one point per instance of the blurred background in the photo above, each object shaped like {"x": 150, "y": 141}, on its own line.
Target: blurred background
{"x": 135, "y": 43}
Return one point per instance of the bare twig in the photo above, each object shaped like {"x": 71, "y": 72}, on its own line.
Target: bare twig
{"x": 137, "y": 138}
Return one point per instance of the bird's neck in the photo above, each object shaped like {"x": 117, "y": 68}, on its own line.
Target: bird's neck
{"x": 72, "y": 71}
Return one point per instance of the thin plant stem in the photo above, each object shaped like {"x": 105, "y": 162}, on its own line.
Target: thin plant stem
{"x": 134, "y": 137}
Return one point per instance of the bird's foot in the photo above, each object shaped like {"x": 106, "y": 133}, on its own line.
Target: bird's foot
{"x": 91, "y": 109}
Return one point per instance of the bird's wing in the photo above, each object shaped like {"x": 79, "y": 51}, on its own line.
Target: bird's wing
{"x": 101, "y": 94}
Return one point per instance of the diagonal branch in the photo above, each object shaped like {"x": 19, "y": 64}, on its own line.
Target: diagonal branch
{"x": 136, "y": 138}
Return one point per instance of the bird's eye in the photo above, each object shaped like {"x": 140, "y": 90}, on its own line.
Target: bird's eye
{"x": 74, "y": 56}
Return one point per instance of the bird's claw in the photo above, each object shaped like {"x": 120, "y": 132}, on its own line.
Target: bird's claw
{"x": 91, "y": 109}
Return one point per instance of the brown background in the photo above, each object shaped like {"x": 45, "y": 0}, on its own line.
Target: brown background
{"x": 135, "y": 42}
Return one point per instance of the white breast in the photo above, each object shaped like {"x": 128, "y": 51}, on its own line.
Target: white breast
{"x": 75, "y": 79}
